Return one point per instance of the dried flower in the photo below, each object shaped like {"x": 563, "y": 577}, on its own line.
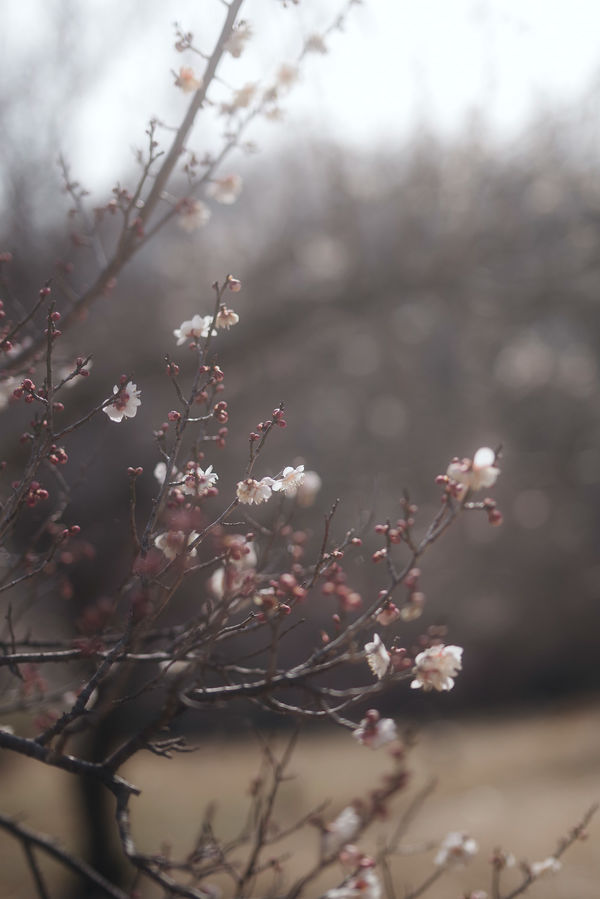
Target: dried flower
{"x": 125, "y": 403}
{"x": 456, "y": 849}
{"x": 475, "y": 474}
{"x": 378, "y": 657}
{"x": 374, "y": 731}
{"x": 436, "y": 667}
{"x": 187, "y": 80}
{"x": 197, "y": 327}
{"x": 251, "y": 491}
{"x": 290, "y": 479}
{"x": 225, "y": 190}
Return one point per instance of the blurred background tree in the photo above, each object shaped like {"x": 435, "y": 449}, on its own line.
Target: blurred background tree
{"x": 412, "y": 299}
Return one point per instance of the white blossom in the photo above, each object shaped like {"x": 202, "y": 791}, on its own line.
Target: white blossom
{"x": 194, "y": 215}
{"x": 7, "y": 388}
{"x": 436, "y": 667}
{"x": 290, "y": 479}
{"x": 388, "y": 614}
{"x": 456, "y": 849}
{"x": 225, "y": 190}
{"x": 341, "y": 831}
{"x": 478, "y": 473}
{"x": 160, "y": 472}
{"x": 378, "y": 657}
{"x": 549, "y": 865}
{"x": 374, "y": 731}
{"x": 198, "y": 481}
{"x": 252, "y": 491}
{"x": 364, "y": 885}
{"x": 187, "y": 80}
{"x": 197, "y": 327}
{"x": 173, "y": 543}
{"x": 236, "y": 41}
{"x": 226, "y": 318}
{"x": 125, "y": 403}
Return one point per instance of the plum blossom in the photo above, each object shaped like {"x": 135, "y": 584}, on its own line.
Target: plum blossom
{"x": 194, "y": 215}
{"x": 550, "y": 865}
{"x": 125, "y": 403}
{"x": 290, "y": 479}
{"x": 198, "y": 481}
{"x": 236, "y": 41}
{"x": 197, "y": 327}
{"x": 187, "y": 80}
{"x": 287, "y": 75}
{"x": 436, "y": 667}
{"x": 364, "y": 885}
{"x": 160, "y": 472}
{"x": 388, "y": 614}
{"x": 226, "y": 318}
{"x": 240, "y": 565}
{"x": 374, "y": 731}
{"x": 456, "y": 849}
{"x": 225, "y": 190}
{"x": 480, "y": 472}
{"x": 341, "y": 831}
{"x": 378, "y": 657}
{"x": 252, "y": 491}
{"x": 173, "y": 543}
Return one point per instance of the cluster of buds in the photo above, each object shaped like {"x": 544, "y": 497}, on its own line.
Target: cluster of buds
{"x": 287, "y": 587}
{"x": 35, "y": 494}
{"x": 26, "y": 391}
{"x": 57, "y": 455}
{"x": 335, "y": 585}
{"x": 220, "y": 412}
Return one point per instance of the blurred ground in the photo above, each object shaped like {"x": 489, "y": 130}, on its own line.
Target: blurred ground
{"x": 515, "y": 782}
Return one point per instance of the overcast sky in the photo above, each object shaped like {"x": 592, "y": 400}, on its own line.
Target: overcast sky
{"x": 398, "y": 63}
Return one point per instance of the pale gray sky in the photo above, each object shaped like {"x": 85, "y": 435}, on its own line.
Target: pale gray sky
{"x": 399, "y": 62}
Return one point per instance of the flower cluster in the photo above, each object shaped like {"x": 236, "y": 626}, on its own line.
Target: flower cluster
{"x": 250, "y": 491}
{"x": 456, "y": 849}
{"x": 436, "y": 667}
{"x": 374, "y": 731}
{"x": 476, "y": 473}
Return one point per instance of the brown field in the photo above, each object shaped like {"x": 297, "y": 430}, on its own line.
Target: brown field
{"x": 516, "y": 782}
